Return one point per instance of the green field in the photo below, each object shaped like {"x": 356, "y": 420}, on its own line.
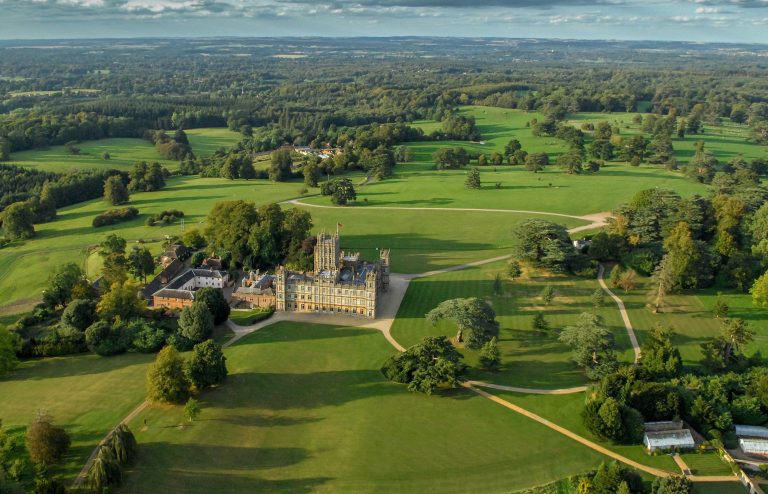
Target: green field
{"x": 206, "y": 141}
{"x": 719, "y": 488}
{"x": 123, "y": 152}
{"x": 71, "y": 236}
{"x": 690, "y": 315}
{"x": 706, "y": 464}
{"x": 306, "y": 409}
{"x": 530, "y": 358}
{"x": 86, "y": 394}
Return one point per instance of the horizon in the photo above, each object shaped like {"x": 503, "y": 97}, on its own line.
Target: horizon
{"x": 717, "y": 21}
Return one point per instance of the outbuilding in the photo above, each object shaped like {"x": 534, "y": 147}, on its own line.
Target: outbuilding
{"x": 668, "y": 440}
{"x": 753, "y": 431}
{"x": 754, "y": 447}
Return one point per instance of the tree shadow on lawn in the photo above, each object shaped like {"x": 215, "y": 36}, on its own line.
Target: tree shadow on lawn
{"x": 437, "y": 201}
{"x": 154, "y": 200}
{"x": 214, "y": 458}
{"x": 74, "y": 365}
{"x": 273, "y": 391}
{"x": 285, "y": 332}
{"x": 263, "y": 420}
{"x": 533, "y": 374}
{"x": 190, "y": 481}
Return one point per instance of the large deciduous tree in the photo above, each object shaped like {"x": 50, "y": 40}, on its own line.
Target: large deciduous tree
{"x": 424, "y": 367}
{"x": 9, "y": 345}
{"x": 167, "y": 380}
{"x": 17, "y": 220}
{"x": 474, "y": 317}
{"x": 207, "y": 366}
{"x": 115, "y": 192}
{"x": 46, "y": 443}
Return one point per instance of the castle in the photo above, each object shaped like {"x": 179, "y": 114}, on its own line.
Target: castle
{"x": 341, "y": 282}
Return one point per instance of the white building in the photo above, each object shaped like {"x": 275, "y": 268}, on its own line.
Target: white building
{"x": 668, "y": 440}
{"x": 754, "y": 447}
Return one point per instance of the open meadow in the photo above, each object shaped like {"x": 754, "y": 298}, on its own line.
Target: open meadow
{"x": 305, "y": 409}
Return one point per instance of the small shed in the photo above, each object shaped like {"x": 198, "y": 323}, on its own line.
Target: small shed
{"x": 752, "y": 431}
{"x": 668, "y": 440}
{"x": 754, "y": 447}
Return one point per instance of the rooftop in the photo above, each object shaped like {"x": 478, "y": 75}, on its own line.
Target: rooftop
{"x": 759, "y": 446}
{"x": 751, "y": 431}
{"x": 669, "y": 439}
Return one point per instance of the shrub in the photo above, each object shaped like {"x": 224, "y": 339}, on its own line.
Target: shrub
{"x": 165, "y": 217}
{"x": 147, "y": 338}
{"x": 105, "y": 339}
{"x": 115, "y": 216}
{"x": 79, "y": 314}
{"x": 46, "y": 443}
{"x": 63, "y": 340}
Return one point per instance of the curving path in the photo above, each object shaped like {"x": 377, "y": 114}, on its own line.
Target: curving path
{"x": 622, "y": 310}
{"x": 595, "y": 220}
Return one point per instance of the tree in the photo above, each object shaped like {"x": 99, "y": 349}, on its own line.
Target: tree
{"x": 659, "y": 356}
{"x": 547, "y": 294}
{"x": 688, "y": 260}
{"x": 535, "y": 162}
{"x": 592, "y": 345}
{"x": 62, "y": 283}
{"x": 737, "y": 334}
{"x": 122, "y": 301}
{"x": 193, "y": 239}
{"x": 759, "y": 291}
{"x": 673, "y": 484}
{"x": 196, "y": 322}
{"x": 207, "y": 366}
{"x": 512, "y": 147}
{"x": 106, "y": 339}
{"x": 571, "y": 162}
{"x": 141, "y": 263}
{"x": 46, "y": 443}
{"x": 46, "y": 207}
{"x": 473, "y": 179}
{"x": 474, "y": 317}
{"x": 341, "y": 191}
{"x": 166, "y": 379}
{"x": 627, "y": 280}
{"x": 214, "y": 299}
{"x": 115, "y": 192}
{"x": 115, "y": 264}
{"x": 663, "y": 281}
{"x": 490, "y": 356}
{"x": 9, "y": 345}
{"x": 424, "y": 367}
{"x": 280, "y": 167}
{"x": 192, "y": 409}
{"x": 597, "y": 298}
{"x": 540, "y": 322}
{"x": 17, "y": 220}
{"x": 311, "y": 174}
{"x": 514, "y": 270}
{"x": 543, "y": 244}
{"x": 79, "y": 314}
{"x": 720, "y": 308}
{"x": 5, "y": 149}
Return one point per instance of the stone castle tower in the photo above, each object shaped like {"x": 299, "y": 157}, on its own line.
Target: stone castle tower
{"x": 327, "y": 253}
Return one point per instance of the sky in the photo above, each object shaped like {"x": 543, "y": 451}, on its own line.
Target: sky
{"x": 737, "y": 21}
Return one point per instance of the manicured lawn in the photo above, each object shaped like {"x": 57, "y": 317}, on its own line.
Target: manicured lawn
{"x": 530, "y": 358}
{"x": 690, "y": 315}
{"x": 85, "y": 394}
{"x": 70, "y": 237}
{"x": 706, "y": 464}
{"x": 306, "y": 409}
{"x": 248, "y": 317}
{"x": 565, "y": 411}
{"x": 207, "y": 141}
{"x": 719, "y": 488}
{"x": 124, "y": 152}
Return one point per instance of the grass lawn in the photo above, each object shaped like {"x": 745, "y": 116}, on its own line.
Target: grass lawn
{"x": 70, "y": 237}
{"x": 85, "y": 394}
{"x": 530, "y": 358}
{"x": 305, "y": 409}
{"x": 719, "y": 488}
{"x": 690, "y": 315}
{"x": 706, "y": 464}
{"x": 565, "y": 411}
{"x": 124, "y": 152}
{"x": 248, "y": 317}
{"x": 207, "y": 141}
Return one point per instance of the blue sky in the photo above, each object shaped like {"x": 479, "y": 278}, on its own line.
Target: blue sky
{"x": 692, "y": 20}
